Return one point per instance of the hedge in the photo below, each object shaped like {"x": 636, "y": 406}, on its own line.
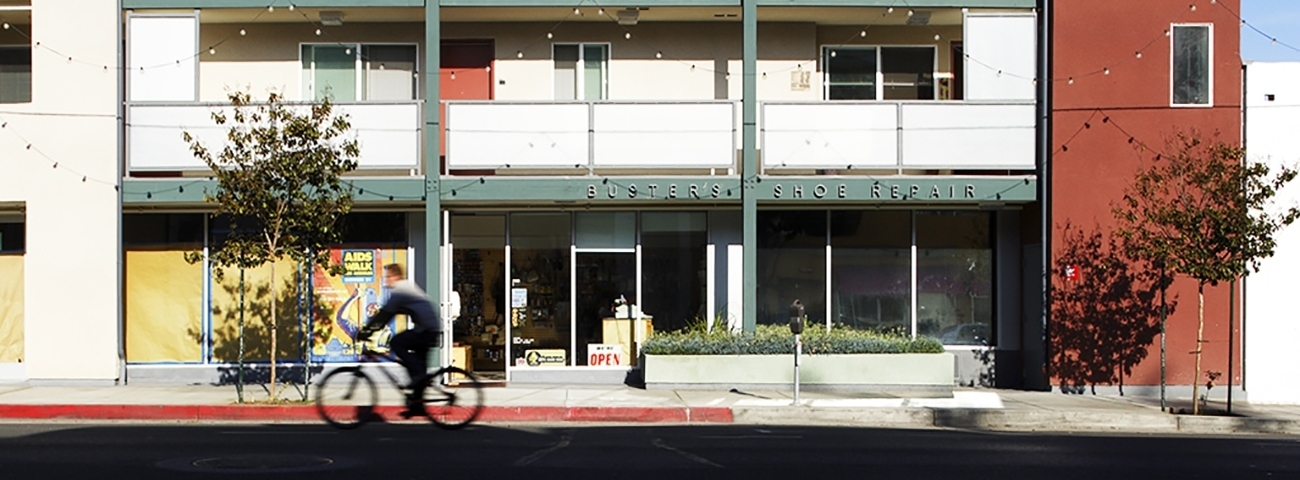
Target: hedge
{"x": 777, "y": 340}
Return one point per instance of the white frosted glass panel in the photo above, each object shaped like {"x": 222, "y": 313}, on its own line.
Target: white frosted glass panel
{"x": 496, "y": 135}
{"x": 387, "y": 134}
{"x": 664, "y": 135}
{"x": 968, "y": 136}
{"x": 1006, "y": 42}
{"x": 154, "y": 42}
{"x": 830, "y": 135}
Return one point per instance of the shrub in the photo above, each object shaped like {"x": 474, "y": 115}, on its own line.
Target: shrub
{"x": 777, "y": 340}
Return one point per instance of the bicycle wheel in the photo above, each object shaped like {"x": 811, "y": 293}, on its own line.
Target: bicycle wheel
{"x": 346, "y": 398}
{"x": 456, "y": 404}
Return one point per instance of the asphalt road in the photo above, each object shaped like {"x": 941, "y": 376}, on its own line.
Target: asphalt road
{"x": 49, "y": 451}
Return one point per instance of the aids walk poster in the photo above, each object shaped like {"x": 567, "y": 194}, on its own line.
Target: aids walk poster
{"x": 351, "y": 298}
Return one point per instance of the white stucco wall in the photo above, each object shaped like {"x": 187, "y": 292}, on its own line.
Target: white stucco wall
{"x": 71, "y": 261}
{"x": 1272, "y": 322}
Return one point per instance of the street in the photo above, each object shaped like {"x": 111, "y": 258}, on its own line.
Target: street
{"x": 407, "y": 451}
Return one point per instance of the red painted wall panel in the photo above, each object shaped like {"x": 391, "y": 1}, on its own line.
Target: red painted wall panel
{"x": 1094, "y": 117}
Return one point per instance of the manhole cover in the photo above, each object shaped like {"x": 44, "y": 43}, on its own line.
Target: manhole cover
{"x": 256, "y": 463}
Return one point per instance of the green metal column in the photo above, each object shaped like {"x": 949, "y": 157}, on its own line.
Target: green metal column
{"x": 749, "y": 162}
{"x": 432, "y": 158}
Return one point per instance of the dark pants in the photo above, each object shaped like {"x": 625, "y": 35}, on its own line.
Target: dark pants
{"x": 412, "y": 348}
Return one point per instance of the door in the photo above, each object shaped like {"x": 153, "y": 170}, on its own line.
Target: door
{"x": 604, "y": 280}
{"x": 465, "y": 74}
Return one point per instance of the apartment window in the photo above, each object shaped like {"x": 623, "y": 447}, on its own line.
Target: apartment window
{"x": 581, "y": 71}
{"x": 357, "y": 72}
{"x": 1191, "y": 58}
{"x": 870, "y": 73}
{"x": 13, "y": 237}
{"x": 15, "y": 74}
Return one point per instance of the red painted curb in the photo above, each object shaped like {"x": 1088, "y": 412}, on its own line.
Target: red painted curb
{"x": 272, "y": 413}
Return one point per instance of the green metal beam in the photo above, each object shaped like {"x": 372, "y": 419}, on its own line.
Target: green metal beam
{"x": 574, "y": 3}
{"x": 190, "y": 4}
{"x": 749, "y": 165}
{"x": 917, "y": 190}
{"x": 591, "y": 190}
{"x": 432, "y": 161}
{"x": 897, "y": 4}
{"x": 190, "y": 191}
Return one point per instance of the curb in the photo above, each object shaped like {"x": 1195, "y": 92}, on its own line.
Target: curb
{"x": 307, "y": 413}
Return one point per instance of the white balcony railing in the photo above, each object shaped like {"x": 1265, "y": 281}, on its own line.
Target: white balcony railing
{"x": 388, "y": 134}
{"x": 495, "y": 135}
{"x": 898, "y": 135}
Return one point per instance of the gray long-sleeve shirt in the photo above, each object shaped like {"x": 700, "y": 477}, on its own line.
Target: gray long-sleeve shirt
{"x": 408, "y": 299}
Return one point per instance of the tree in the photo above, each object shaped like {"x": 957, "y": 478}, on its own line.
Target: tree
{"x": 1204, "y": 212}
{"x": 279, "y": 182}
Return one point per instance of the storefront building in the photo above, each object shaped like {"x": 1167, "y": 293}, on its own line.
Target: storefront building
{"x": 701, "y": 161}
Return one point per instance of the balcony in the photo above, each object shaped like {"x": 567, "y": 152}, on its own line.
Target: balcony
{"x": 871, "y": 135}
{"x": 387, "y": 133}
{"x": 522, "y": 136}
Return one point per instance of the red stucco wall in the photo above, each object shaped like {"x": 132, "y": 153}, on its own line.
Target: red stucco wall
{"x": 1090, "y": 173}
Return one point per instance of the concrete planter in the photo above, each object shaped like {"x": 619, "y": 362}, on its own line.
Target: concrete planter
{"x": 905, "y": 371}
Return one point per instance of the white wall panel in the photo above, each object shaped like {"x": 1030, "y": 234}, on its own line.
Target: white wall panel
{"x": 830, "y": 135}
{"x": 1000, "y": 42}
{"x": 161, "y": 57}
{"x": 664, "y": 135}
{"x": 387, "y": 134}
{"x": 527, "y": 135}
{"x": 962, "y": 135}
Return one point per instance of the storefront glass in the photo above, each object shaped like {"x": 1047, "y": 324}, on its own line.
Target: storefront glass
{"x": 539, "y": 315}
{"x": 871, "y": 269}
{"x": 954, "y": 268}
{"x": 791, "y": 265}
{"x": 674, "y": 268}
{"x": 478, "y": 277}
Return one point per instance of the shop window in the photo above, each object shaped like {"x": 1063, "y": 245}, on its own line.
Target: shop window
{"x": 871, "y": 270}
{"x": 791, "y": 265}
{"x": 377, "y": 228}
{"x": 13, "y": 237}
{"x": 674, "y": 268}
{"x": 581, "y": 71}
{"x": 356, "y": 72}
{"x": 870, "y": 73}
{"x": 539, "y": 307}
{"x": 954, "y": 268}
{"x": 1192, "y": 59}
{"x": 151, "y": 229}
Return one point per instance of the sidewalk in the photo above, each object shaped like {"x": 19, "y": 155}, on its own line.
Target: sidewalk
{"x": 980, "y": 409}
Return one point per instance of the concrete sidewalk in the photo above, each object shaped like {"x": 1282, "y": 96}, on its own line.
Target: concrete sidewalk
{"x": 980, "y": 409}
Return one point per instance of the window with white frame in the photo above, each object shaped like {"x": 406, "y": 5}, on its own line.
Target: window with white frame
{"x": 581, "y": 71}
{"x": 359, "y": 72}
{"x": 880, "y": 72}
{"x": 1192, "y": 59}
{"x": 15, "y": 74}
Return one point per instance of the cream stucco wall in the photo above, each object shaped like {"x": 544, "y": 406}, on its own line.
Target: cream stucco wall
{"x": 71, "y": 262}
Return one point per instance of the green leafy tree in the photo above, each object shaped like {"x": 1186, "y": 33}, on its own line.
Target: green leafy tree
{"x": 280, "y": 185}
{"x": 1204, "y": 212}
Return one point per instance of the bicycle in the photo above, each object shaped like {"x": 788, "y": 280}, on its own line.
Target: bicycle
{"x": 346, "y": 398}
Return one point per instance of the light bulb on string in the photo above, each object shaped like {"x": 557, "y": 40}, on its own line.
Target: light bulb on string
{"x": 889, "y": 10}
{"x": 692, "y": 67}
{"x": 270, "y": 8}
{"x": 1166, "y": 33}
{"x": 576, "y": 11}
{"x": 6, "y": 25}
{"x": 1193, "y": 7}
{"x": 627, "y": 35}
{"x": 832, "y": 53}
{"x": 659, "y": 54}
{"x": 519, "y": 54}
{"x": 1105, "y": 71}
{"x": 911, "y": 12}
{"x": 727, "y": 76}
{"x": 600, "y": 11}
{"x": 1071, "y": 81}
{"x": 243, "y": 32}
{"x": 318, "y": 33}
{"x": 549, "y": 35}
{"x": 863, "y": 33}
{"x": 290, "y": 7}
{"x": 1138, "y": 54}
{"x": 1274, "y": 41}
{"x": 936, "y": 37}
{"x": 764, "y": 75}
{"x": 347, "y": 51}
{"x": 453, "y": 75}
{"x": 212, "y": 51}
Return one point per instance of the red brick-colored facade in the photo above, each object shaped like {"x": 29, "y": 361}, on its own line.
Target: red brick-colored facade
{"x": 1094, "y": 117}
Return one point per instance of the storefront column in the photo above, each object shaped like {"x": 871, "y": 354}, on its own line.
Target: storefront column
{"x": 749, "y": 162}
{"x": 432, "y": 160}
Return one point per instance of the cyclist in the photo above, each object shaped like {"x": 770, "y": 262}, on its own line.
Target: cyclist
{"x": 411, "y": 346}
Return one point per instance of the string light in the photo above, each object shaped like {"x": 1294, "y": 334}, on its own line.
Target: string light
{"x": 576, "y": 11}
{"x": 1193, "y": 7}
{"x": 889, "y": 10}
{"x": 519, "y": 54}
{"x": 6, "y": 25}
{"x": 627, "y": 35}
{"x": 1106, "y": 71}
{"x": 212, "y": 51}
{"x": 242, "y": 32}
{"x": 318, "y": 34}
{"x": 549, "y": 35}
{"x": 1138, "y": 54}
{"x": 600, "y": 11}
{"x": 659, "y": 54}
{"x": 270, "y": 8}
{"x": 864, "y": 33}
{"x": 936, "y": 37}
{"x": 290, "y": 7}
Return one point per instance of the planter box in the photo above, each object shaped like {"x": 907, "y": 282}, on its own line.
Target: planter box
{"x": 892, "y": 371}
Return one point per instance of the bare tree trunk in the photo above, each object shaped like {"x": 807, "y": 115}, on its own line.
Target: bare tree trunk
{"x": 1200, "y": 332}
{"x": 274, "y": 306}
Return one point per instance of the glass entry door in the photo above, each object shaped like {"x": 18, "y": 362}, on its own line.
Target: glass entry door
{"x": 604, "y": 279}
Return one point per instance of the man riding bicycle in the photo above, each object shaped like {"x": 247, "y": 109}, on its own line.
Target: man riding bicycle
{"x": 411, "y": 346}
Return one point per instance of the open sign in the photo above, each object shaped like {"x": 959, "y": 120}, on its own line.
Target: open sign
{"x": 604, "y": 355}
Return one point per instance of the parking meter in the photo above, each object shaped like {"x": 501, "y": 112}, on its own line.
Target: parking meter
{"x": 796, "y": 317}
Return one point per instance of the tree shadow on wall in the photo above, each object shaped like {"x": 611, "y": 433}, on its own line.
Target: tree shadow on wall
{"x": 295, "y": 334}
{"x": 1105, "y": 311}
